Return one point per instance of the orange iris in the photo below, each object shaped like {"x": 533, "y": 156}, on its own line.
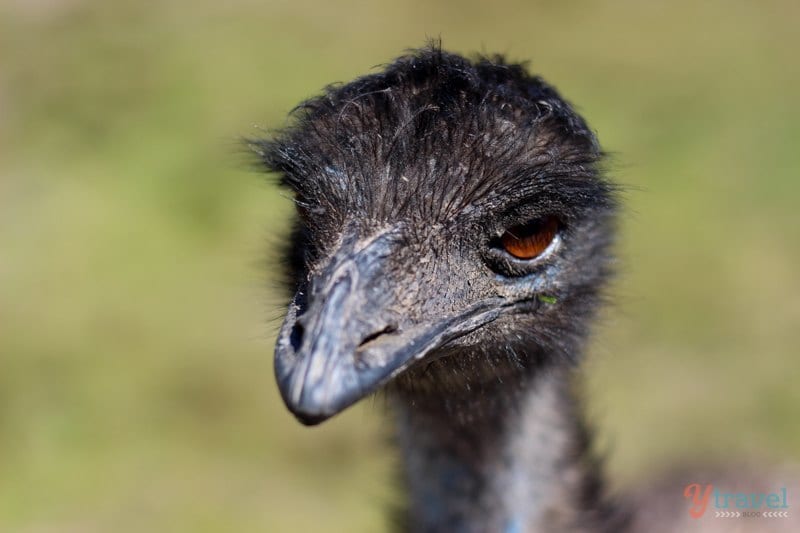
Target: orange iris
{"x": 528, "y": 241}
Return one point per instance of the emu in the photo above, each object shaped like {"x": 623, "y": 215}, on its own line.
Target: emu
{"x": 452, "y": 244}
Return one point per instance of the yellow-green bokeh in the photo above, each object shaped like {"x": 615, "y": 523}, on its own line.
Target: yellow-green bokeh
{"x": 137, "y": 287}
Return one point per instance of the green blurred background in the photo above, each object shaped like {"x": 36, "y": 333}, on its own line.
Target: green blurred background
{"x": 137, "y": 301}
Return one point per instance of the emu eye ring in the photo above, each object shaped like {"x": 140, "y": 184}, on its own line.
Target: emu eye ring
{"x": 529, "y": 241}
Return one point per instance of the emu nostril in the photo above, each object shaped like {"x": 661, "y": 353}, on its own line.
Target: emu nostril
{"x": 296, "y": 336}
{"x": 391, "y": 328}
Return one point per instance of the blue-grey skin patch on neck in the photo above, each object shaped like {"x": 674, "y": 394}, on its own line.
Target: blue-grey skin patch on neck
{"x": 514, "y": 525}
{"x": 456, "y": 481}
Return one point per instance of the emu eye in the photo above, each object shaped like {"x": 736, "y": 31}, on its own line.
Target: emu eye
{"x": 528, "y": 241}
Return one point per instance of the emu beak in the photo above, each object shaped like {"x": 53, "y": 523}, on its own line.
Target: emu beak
{"x": 346, "y": 338}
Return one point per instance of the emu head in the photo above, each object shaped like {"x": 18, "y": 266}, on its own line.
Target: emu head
{"x": 452, "y": 231}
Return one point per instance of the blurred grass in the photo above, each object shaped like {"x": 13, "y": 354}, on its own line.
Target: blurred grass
{"x": 136, "y": 316}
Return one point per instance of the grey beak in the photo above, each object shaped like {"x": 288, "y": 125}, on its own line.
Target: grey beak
{"x": 346, "y": 337}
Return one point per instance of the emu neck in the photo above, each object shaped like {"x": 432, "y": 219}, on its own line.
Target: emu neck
{"x": 510, "y": 457}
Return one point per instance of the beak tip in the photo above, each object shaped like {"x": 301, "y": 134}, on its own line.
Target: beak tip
{"x": 312, "y": 409}
{"x": 308, "y": 411}
{"x": 310, "y": 419}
